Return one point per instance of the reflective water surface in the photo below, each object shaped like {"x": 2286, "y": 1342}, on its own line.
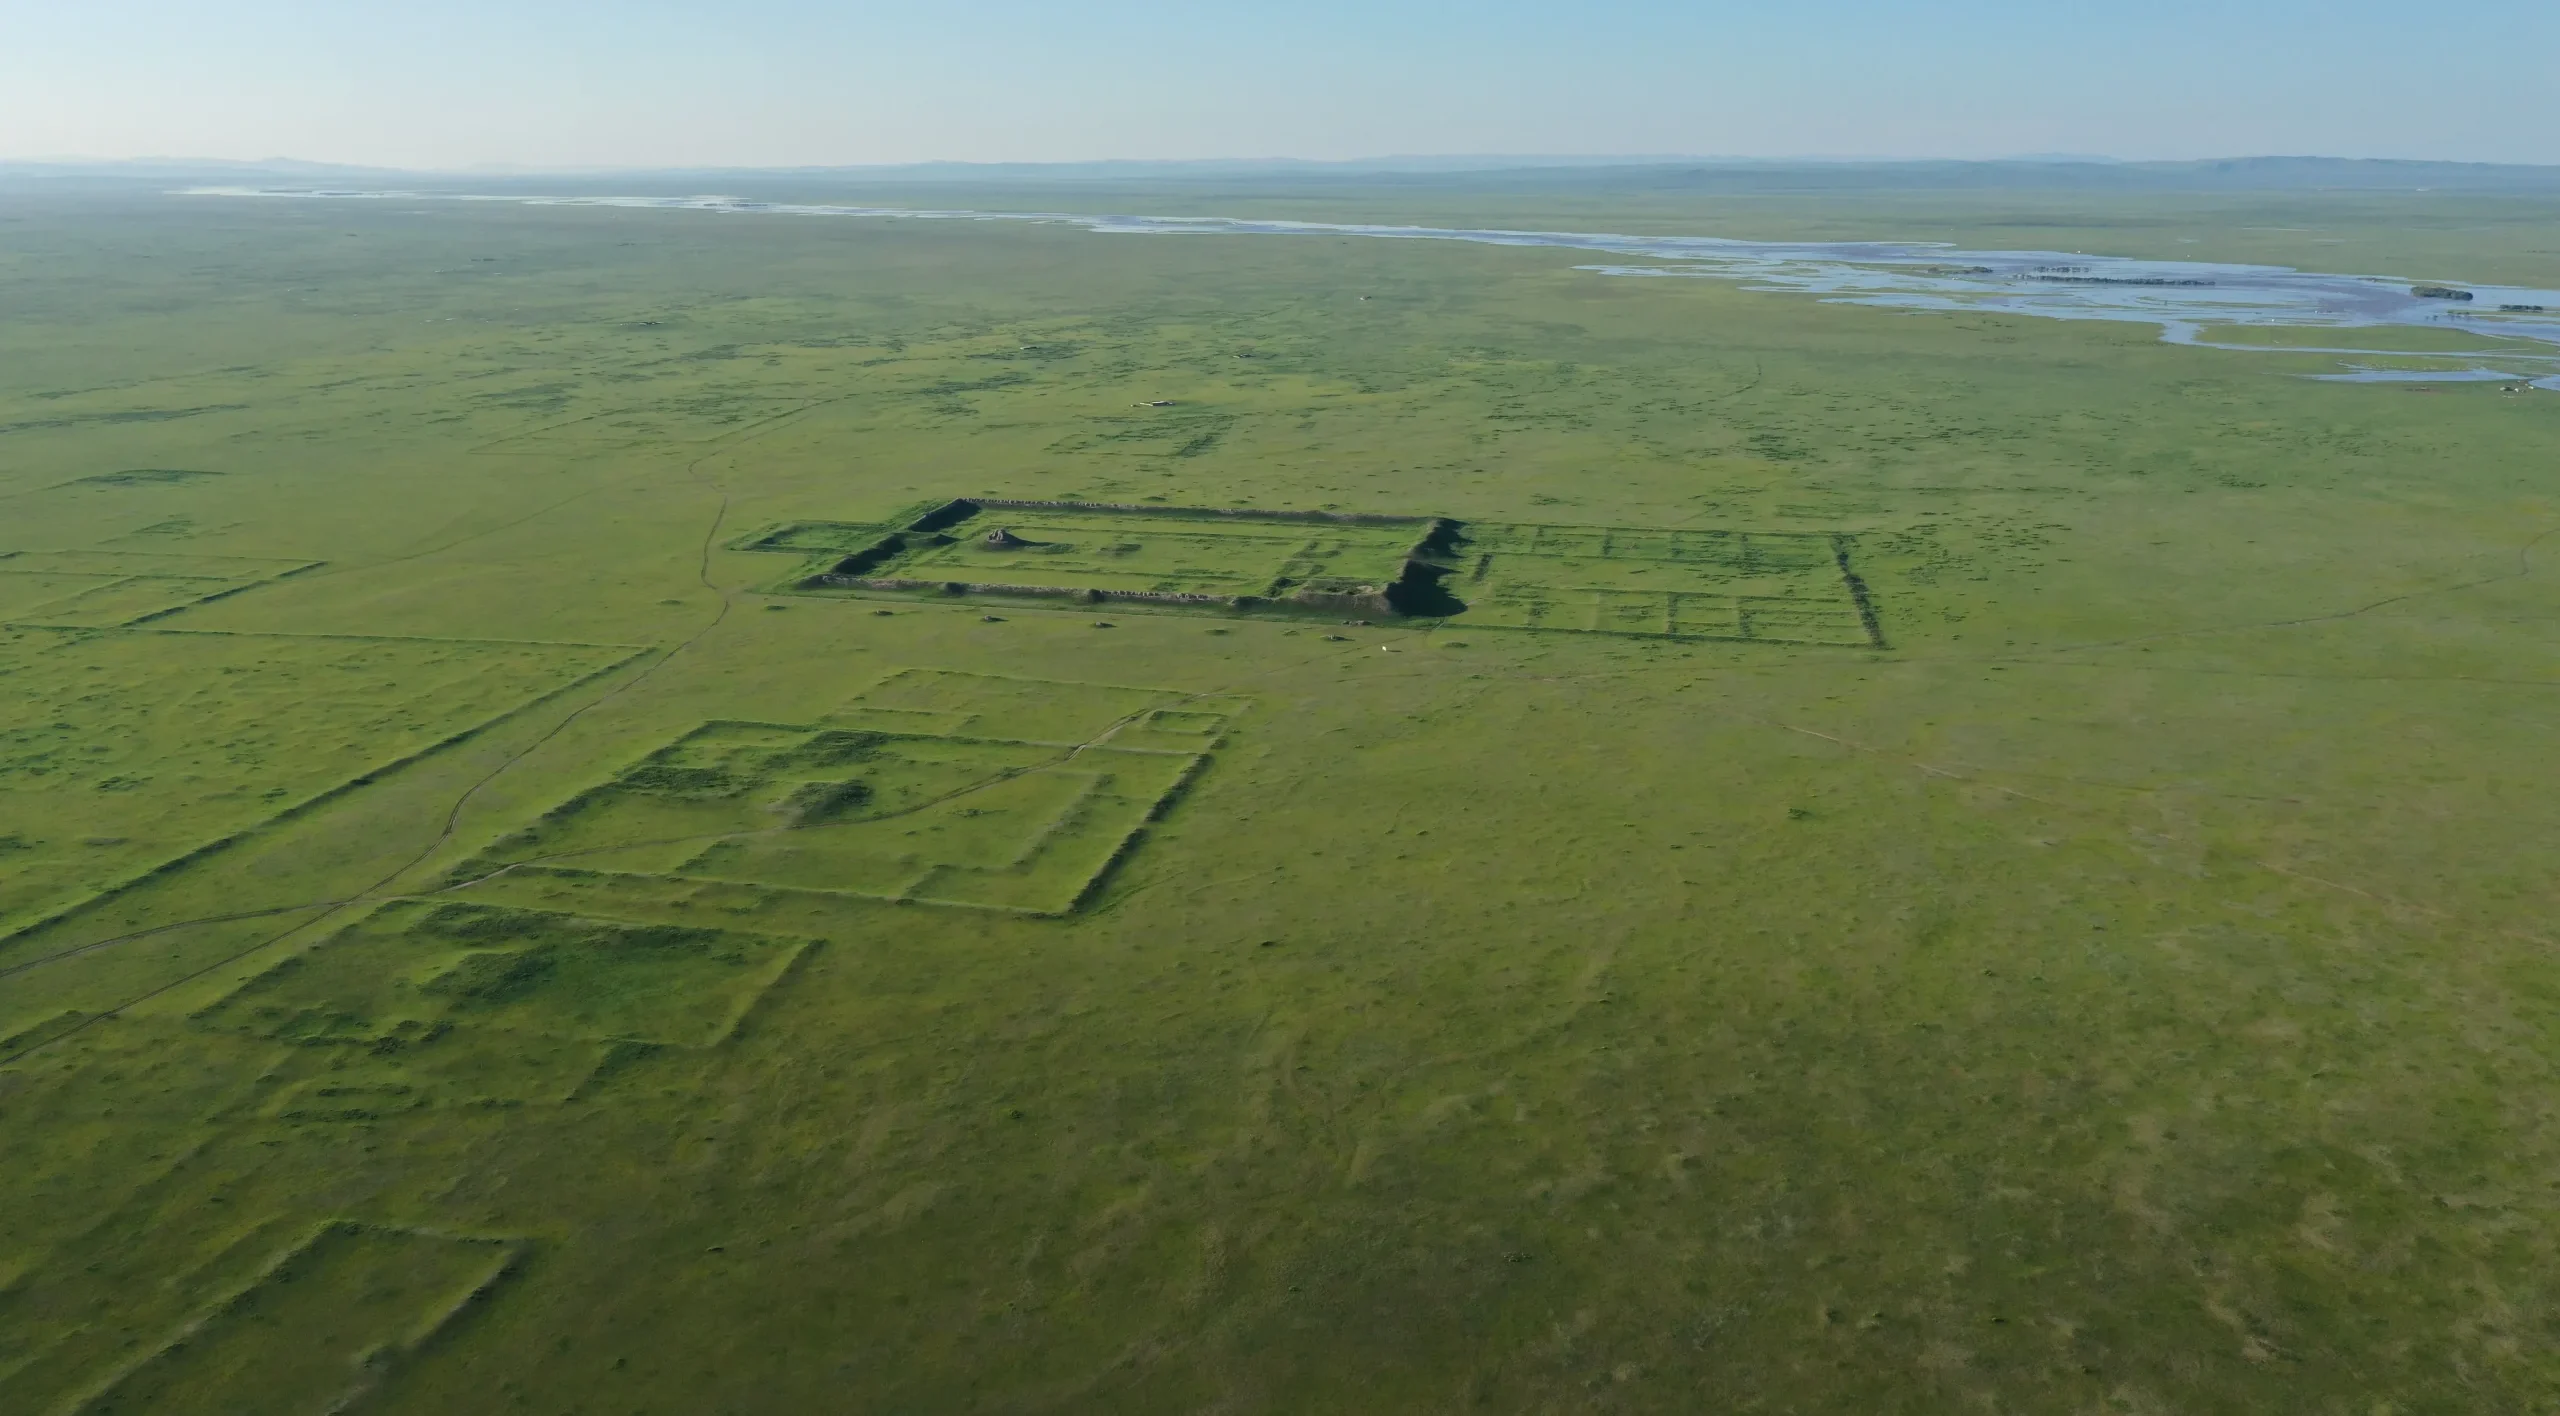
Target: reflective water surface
{"x": 2184, "y": 299}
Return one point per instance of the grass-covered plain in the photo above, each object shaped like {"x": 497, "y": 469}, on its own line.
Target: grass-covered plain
{"x": 2127, "y": 987}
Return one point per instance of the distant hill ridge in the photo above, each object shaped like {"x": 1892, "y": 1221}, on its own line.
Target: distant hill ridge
{"x": 1629, "y": 172}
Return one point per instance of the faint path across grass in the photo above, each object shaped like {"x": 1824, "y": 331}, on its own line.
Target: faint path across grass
{"x": 2523, "y": 568}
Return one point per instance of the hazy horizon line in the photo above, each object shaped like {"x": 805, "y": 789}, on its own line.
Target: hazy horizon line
{"x": 1414, "y": 162}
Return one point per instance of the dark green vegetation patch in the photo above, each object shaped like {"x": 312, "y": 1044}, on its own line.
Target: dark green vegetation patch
{"x": 143, "y": 477}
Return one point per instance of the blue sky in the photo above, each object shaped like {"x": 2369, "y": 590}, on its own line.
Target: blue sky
{"x": 768, "y": 82}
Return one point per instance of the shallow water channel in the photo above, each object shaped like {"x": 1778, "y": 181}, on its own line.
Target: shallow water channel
{"x": 2184, "y": 299}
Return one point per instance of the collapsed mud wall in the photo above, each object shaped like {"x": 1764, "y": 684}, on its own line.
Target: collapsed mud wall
{"x": 1087, "y": 595}
{"x": 1223, "y": 513}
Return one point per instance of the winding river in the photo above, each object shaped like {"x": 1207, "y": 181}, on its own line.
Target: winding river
{"x": 2518, "y": 330}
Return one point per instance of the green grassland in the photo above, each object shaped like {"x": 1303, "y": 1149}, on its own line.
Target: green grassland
{"x": 2045, "y": 904}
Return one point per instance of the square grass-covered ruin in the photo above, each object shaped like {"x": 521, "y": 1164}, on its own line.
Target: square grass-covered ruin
{"x": 427, "y": 1003}
{"x": 320, "y": 1326}
{"x": 104, "y": 589}
{"x": 1679, "y": 583}
{"x": 931, "y": 787}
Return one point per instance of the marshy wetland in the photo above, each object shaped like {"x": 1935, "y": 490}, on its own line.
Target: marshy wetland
{"x": 1915, "y": 856}
{"x": 2186, "y": 299}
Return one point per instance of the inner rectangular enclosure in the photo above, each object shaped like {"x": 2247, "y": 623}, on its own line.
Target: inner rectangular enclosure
{"x": 1071, "y": 551}
{"x": 1774, "y": 587}
{"x": 1236, "y": 559}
